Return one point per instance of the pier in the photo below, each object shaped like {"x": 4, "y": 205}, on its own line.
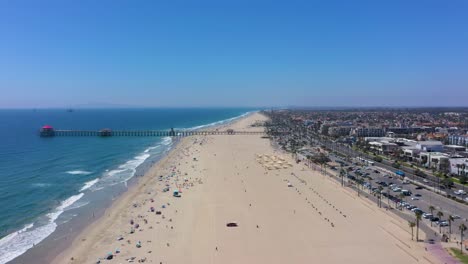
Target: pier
{"x": 48, "y": 131}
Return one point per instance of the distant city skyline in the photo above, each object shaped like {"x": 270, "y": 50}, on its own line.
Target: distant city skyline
{"x": 59, "y": 54}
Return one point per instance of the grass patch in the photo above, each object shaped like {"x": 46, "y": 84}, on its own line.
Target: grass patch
{"x": 457, "y": 180}
{"x": 463, "y": 258}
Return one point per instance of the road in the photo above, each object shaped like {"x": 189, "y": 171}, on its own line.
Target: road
{"x": 428, "y": 180}
{"x": 426, "y": 199}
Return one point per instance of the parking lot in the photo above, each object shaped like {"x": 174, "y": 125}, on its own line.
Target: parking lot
{"x": 418, "y": 195}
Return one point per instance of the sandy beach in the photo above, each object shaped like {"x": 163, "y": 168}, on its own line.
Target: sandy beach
{"x": 280, "y": 212}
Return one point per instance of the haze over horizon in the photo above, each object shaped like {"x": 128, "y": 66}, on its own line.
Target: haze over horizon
{"x": 233, "y": 54}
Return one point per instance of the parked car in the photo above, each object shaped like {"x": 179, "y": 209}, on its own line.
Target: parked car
{"x": 427, "y": 216}
{"x": 418, "y": 187}
{"x": 434, "y": 219}
{"x": 443, "y": 223}
{"x": 414, "y": 198}
{"x": 417, "y": 195}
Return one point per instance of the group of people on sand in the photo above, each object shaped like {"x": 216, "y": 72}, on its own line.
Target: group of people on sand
{"x": 146, "y": 213}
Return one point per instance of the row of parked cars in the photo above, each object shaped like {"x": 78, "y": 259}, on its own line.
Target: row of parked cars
{"x": 425, "y": 215}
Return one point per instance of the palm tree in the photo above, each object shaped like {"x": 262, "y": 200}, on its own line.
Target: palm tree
{"x": 462, "y": 229}
{"x": 440, "y": 214}
{"x": 450, "y": 220}
{"x": 402, "y": 197}
{"x": 388, "y": 197}
{"x": 380, "y": 196}
{"x": 411, "y": 225}
{"x": 342, "y": 174}
{"x": 431, "y": 208}
{"x": 418, "y": 218}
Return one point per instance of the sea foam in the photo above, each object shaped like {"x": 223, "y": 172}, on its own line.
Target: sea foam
{"x": 79, "y": 172}
{"x": 89, "y": 184}
{"x": 17, "y": 243}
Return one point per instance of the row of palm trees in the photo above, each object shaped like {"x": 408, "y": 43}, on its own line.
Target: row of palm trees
{"x": 418, "y": 218}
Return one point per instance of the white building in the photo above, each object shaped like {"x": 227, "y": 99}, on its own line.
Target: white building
{"x": 461, "y": 140}
{"x": 383, "y": 147}
{"x": 437, "y": 160}
{"x": 411, "y": 152}
{"x": 458, "y": 166}
{"x": 454, "y": 148}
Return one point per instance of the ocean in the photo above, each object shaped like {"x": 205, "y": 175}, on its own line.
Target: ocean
{"x": 46, "y": 182}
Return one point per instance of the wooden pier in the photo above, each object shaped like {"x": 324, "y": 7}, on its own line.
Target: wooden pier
{"x": 48, "y": 131}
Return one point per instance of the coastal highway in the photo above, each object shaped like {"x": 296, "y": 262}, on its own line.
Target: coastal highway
{"x": 429, "y": 180}
{"x": 427, "y": 198}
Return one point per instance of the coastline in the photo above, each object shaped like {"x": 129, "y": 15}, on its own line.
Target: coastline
{"x": 81, "y": 218}
{"x": 223, "y": 182}
{"x": 134, "y": 187}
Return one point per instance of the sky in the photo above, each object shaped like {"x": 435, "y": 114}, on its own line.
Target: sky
{"x": 232, "y": 53}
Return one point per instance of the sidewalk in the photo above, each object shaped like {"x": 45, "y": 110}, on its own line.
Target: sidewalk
{"x": 439, "y": 252}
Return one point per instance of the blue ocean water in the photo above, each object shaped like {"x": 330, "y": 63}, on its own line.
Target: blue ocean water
{"x": 40, "y": 178}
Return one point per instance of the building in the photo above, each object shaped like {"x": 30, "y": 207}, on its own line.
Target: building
{"x": 459, "y": 166}
{"x": 436, "y": 160}
{"x": 324, "y": 129}
{"x": 460, "y": 140}
{"x": 368, "y": 132}
{"x": 339, "y": 131}
{"x": 383, "y": 147}
{"x": 430, "y": 146}
{"x": 47, "y": 131}
{"x": 409, "y": 130}
{"x": 454, "y": 148}
{"x": 411, "y": 152}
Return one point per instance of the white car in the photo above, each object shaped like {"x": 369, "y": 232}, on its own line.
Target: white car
{"x": 426, "y": 181}
{"x": 460, "y": 192}
{"x": 427, "y": 216}
{"x": 414, "y": 198}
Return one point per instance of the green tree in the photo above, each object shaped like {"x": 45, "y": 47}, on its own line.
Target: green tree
{"x": 450, "y": 220}
{"x": 380, "y": 196}
{"x": 411, "y": 225}
{"x": 403, "y": 198}
{"x": 342, "y": 174}
{"x": 378, "y": 158}
{"x": 463, "y": 179}
{"x": 462, "y": 229}
{"x": 440, "y": 214}
{"x": 431, "y": 208}
{"x": 418, "y": 218}
{"x": 447, "y": 182}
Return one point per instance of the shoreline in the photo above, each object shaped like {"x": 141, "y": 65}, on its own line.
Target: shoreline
{"x": 136, "y": 184}
{"x": 67, "y": 231}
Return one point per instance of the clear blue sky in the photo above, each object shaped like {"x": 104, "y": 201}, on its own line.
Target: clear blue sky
{"x": 233, "y": 53}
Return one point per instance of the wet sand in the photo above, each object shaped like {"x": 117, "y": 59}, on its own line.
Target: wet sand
{"x": 224, "y": 180}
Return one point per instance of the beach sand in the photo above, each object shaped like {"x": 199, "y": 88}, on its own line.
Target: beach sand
{"x": 225, "y": 179}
